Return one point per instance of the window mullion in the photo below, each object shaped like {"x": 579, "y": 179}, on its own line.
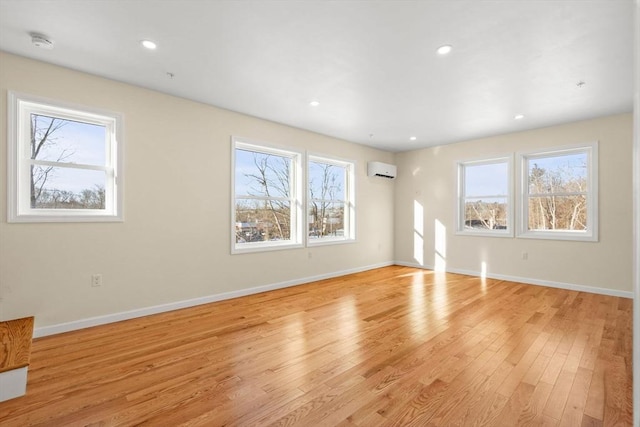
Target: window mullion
{"x": 265, "y": 198}
{"x": 559, "y": 194}
{"x": 69, "y": 165}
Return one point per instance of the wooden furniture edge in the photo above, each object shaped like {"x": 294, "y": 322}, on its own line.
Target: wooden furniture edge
{"x": 16, "y": 337}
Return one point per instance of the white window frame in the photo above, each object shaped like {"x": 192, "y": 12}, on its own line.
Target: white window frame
{"x": 295, "y": 199}
{"x": 349, "y": 235}
{"x": 461, "y": 197}
{"x": 20, "y": 107}
{"x": 591, "y": 233}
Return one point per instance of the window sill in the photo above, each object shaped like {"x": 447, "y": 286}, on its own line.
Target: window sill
{"x": 487, "y": 233}
{"x": 329, "y": 241}
{"x": 52, "y": 217}
{"x": 261, "y": 247}
{"x": 559, "y": 235}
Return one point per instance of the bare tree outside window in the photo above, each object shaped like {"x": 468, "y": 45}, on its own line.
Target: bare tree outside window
{"x": 263, "y": 197}
{"x": 55, "y": 144}
{"x": 486, "y": 214}
{"x": 64, "y": 162}
{"x": 268, "y": 198}
{"x": 326, "y": 200}
{"x": 557, "y": 192}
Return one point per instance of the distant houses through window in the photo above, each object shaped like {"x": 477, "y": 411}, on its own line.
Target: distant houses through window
{"x": 330, "y": 207}
{"x": 272, "y": 204}
{"x": 266, "y": 208}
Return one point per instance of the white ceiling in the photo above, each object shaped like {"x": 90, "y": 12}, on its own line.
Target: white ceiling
{"x": 372, "y": 65}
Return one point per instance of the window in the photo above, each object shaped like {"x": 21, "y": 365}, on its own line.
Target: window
{"x": 268, "y": 201}
{"x": 330, "y": 200}
{"x": 267, "y": 207}
{"x": 484, "y": 197}
{"x": 559, "y": 194}
{"x": 65, "y": 162}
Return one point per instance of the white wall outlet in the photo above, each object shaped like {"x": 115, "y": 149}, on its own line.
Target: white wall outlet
{"x": 525, "y": 256}
{"x": 96, "y": 280}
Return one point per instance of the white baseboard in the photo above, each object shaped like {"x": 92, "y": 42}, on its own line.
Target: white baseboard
{"x": 530, "y": 281}
{"x": 146, "y": 311}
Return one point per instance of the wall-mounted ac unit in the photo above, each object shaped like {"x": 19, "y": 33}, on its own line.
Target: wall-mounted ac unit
{"x": 384, "y": 170}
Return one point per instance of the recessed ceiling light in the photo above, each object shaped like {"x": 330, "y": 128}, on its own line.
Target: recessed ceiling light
{"x": 443, "y": 50}
{"x": 412, "y": 138}
{"x": 149, "y": 44}
{"x": 518, "y": 117}
{"x": 314, "y": 103}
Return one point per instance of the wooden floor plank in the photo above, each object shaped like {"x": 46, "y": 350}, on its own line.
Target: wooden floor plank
{"x": 517, "y": 403}
{"x": 559, "y": 395}
{"x": 532, "y": 412}
{"x": 574, "y": 409}
{"x": 395, "y": 346}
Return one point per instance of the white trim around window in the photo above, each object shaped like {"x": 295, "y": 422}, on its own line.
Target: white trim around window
{"x": 559, "y": 193}
{"x": 266, "y": 197}
{"x": 274, "y": 191}
{"x": 484, "y": 203}
{"x": 330, "y": 200}
{"x": 65, "y": 162}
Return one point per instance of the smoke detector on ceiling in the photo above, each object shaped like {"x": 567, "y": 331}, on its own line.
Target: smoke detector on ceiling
{"x": 41, "y": 41}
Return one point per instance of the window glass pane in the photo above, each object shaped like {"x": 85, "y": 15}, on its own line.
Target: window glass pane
{"x": 262, "y": 220}
{"x": 326, "y": 181}
{"x": 260, "y": 174}
{"x": 486, "y": 214}
{"x": 558, "y": 174}
{"x": 60, "y": 140}
{"x": 326, "y": 219}
{"x": 558, "y": 213}
{"x": 67, "y": 188}
{"x": 486, "y": 180}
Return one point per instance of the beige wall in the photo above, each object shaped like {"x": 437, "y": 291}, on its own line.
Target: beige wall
{"x": 428, "y": 176}
{"x": 165, "y": 252}
{"x": 174, "y": 244}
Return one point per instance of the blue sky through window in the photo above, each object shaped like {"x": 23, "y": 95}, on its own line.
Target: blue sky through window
{"x": 248, "y": 167}
{"x": 486, "y": 180}
{"x": 73, "y": 143}
{"x": 335, "y": 184}
{"x": 576, "y": 163}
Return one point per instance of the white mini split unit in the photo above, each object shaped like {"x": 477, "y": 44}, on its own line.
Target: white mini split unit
{"x": 384, "y": 170}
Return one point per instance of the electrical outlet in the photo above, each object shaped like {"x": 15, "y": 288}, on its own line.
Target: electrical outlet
{"x": 525, "y": 256}
{"x": 96, "y": 280}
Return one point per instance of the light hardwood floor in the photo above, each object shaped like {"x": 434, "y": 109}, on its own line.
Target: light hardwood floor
{"x": 395, "y": 346}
